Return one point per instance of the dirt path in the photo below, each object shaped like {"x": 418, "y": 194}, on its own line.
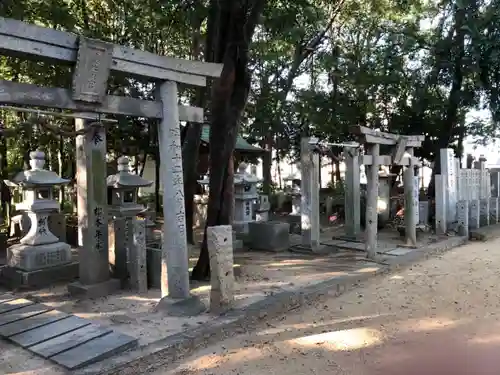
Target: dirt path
{"x": 437, "y": 317}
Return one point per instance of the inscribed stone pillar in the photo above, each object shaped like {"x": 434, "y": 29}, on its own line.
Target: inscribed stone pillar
{"x": 484, "y": 212}
{"x": 463, "y": 218}
{"x": 220, "y": 250}
{"x": 175, "y": 270}
{"x": 474, "y": 216}
{"x": 493, "y": 210}
{"x": 92, "y": 203}
{"x": 352, "y": 192}
{"x": 137, "y": 257}
{"x": 119, "y": 233}
{"x": 441, "y": 227}
{"x": 448, "y": 171}
{"x": 495, "y": 184}
{"x": 411, "y": 206}
{"x": 423, "y": 212}
{"x": 310, "y": 226}
{"x": 371, "y": 201}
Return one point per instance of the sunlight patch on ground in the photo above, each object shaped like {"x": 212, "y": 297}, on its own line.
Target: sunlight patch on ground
{"x": 367, "y": 269}
{"x": 302, "y": 326}
{"x": 349, "y": 339}
{"x": 397, "y": 277}
{"x": 140, "y": 299}
{"x": 428, "y": 324}
{"x": 488, "y": 339}
{"x": 211, "y": 361}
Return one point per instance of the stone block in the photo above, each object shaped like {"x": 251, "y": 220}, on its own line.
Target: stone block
{"x": 153, "y": 266}
{"x": 15, "y": 278}
{"x": 31, "y": 258}
{"x": 85, "y": 291}
{"x": 294, "y": 222}
{"x": 493, "y": 210}
{"x": 484, "y": 212}
{"x": 137, "y": 261}
{"x": 57, "y": 225}
{"x": 118, "y": 237}
{"x": 270, "y": 236}
{"x": 463, "y": 218}
{"x": 220, "y": 250}
{"x": 474, "y": 215}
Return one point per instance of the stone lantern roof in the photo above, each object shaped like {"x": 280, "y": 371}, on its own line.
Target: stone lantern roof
{"x": 124, "y": 179}
{"x": 37, "y": 175}
{"x": 241, "y": 177}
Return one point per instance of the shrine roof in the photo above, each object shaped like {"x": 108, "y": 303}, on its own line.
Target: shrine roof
{"x": 241, "y": 143}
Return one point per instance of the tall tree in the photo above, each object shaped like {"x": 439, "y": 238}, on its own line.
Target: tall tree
{"x": 231, "y": 25}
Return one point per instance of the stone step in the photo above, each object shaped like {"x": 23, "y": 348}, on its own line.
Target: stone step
{"x": 65, "y": 339}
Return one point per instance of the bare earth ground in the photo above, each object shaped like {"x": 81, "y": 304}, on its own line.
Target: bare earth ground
{"x": 440, "y": 316}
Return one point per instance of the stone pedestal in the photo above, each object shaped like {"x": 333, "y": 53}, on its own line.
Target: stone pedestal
{"x": 463, "y": 218}
{"x": 137, "y": 263}
{"x": 269, "y": 236}
{"x": 120, "y": 236}
{"x": 484, "y": 212}
{"x": 263, "y": 207}
{"x": 493, "y": 210}
{"x": 474, "y": 214}
{"x": 423, "y": 210}
{"x": 220, "y": 249}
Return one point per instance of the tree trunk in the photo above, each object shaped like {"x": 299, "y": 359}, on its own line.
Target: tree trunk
{"x": 230, "y": 29}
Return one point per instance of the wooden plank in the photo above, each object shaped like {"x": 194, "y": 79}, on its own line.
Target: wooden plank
{"x": 23, "y": 313}
{"x": 69, "y": 340}
{"x": 29, "y": 40}
{"x": 14, "y": 305}
{"x": 49, "y": 331}
{"x": 95, "y": 350}
{"x": 6, "y": 297}
{"x": 37, "y": 96}
{"x": 36, "y": 321}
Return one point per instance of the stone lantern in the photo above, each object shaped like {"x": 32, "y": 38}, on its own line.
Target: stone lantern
{"x": 123, "y": 189}
{"x": 39, "y": 249}
{"x": 245, "y": 195}
{"x": 294, "y": 191}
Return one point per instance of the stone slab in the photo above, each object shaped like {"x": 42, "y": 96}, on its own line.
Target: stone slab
{"x": 69, "y": 340}
{"x": 22, "y": 313}
{"x": 6, "y": 297}
{"x": 14, "y": 305}
{"x": 270, "y": 235}
{"x": 84, "y": 291}
{"x": 49, "y": 331}
{"x": 398, "y": 251}
{"x": 352, "y": 246}
{"x": 33, "y": 322}
{"x": 16, "y": 278}
{"x": 95, "y": 350}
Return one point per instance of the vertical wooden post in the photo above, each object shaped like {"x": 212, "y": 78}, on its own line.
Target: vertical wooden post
{"x": 174, "y": 265}
{"x": 352, "y": 192}
{"x": 92, "y": 203}
{"x": 371, "y": 201}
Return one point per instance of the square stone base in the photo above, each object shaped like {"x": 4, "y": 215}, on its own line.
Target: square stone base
{"x": 33, "y": 258}
{"x": 82, "y": 291}
{"x": 15, "y": 278}
{"x": 270, "y": 235}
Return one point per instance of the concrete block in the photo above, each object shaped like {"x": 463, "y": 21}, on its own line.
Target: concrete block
{"x": 270, "y": 236}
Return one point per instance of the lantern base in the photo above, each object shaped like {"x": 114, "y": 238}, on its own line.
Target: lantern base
{"x": 15, "y": 278}
{"x": 37, "y": 257}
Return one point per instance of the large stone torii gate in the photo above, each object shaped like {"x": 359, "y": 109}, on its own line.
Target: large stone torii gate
{"x": 93, "y": 61}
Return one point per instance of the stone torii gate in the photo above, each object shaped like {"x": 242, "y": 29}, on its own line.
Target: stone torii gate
{"x": 92, "y": 62}
{"x": 402, "y": 154}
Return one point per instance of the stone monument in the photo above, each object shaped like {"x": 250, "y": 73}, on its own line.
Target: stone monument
{"x": 245, "y": 194}
{"x": 40, "y": 258}
{"x": 127, "y": 255}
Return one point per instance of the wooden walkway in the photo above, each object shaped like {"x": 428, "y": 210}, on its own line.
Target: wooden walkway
{"x": 65, "y": 339}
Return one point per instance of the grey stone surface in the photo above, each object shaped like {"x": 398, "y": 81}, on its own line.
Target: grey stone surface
{"x": 463, "y": 218}
{"x": 137, "y": 261}
{"x": 49, "y": 331}
{"x": 36, "y": 321}
{"x": 270, "y": 235}
{"x": 484, "y": 212}
{"x": 220, "y": 250}
{"x": 22, "y": 313}
{"x": 190, "y": 306}
{"x": 95, "y": 350}
{"x": 31, "y": 258}
{"x": 153, "y": 262}
{"x": 399, "y": 251}
{"x": 69, "y": 340}
{"x": 117, "y": 239}
{"x": 474, "y": 214}
{"x": 14, "y": 305}
{"x": 103, "y": 289}
{"x": 15, "y": 278}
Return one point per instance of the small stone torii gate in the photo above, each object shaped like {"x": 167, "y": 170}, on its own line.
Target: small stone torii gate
{"x": 93, "y": 61}
{"x": 402, "y": 154}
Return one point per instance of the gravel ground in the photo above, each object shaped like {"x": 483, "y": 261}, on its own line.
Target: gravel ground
{"x": 440, "y": 316}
